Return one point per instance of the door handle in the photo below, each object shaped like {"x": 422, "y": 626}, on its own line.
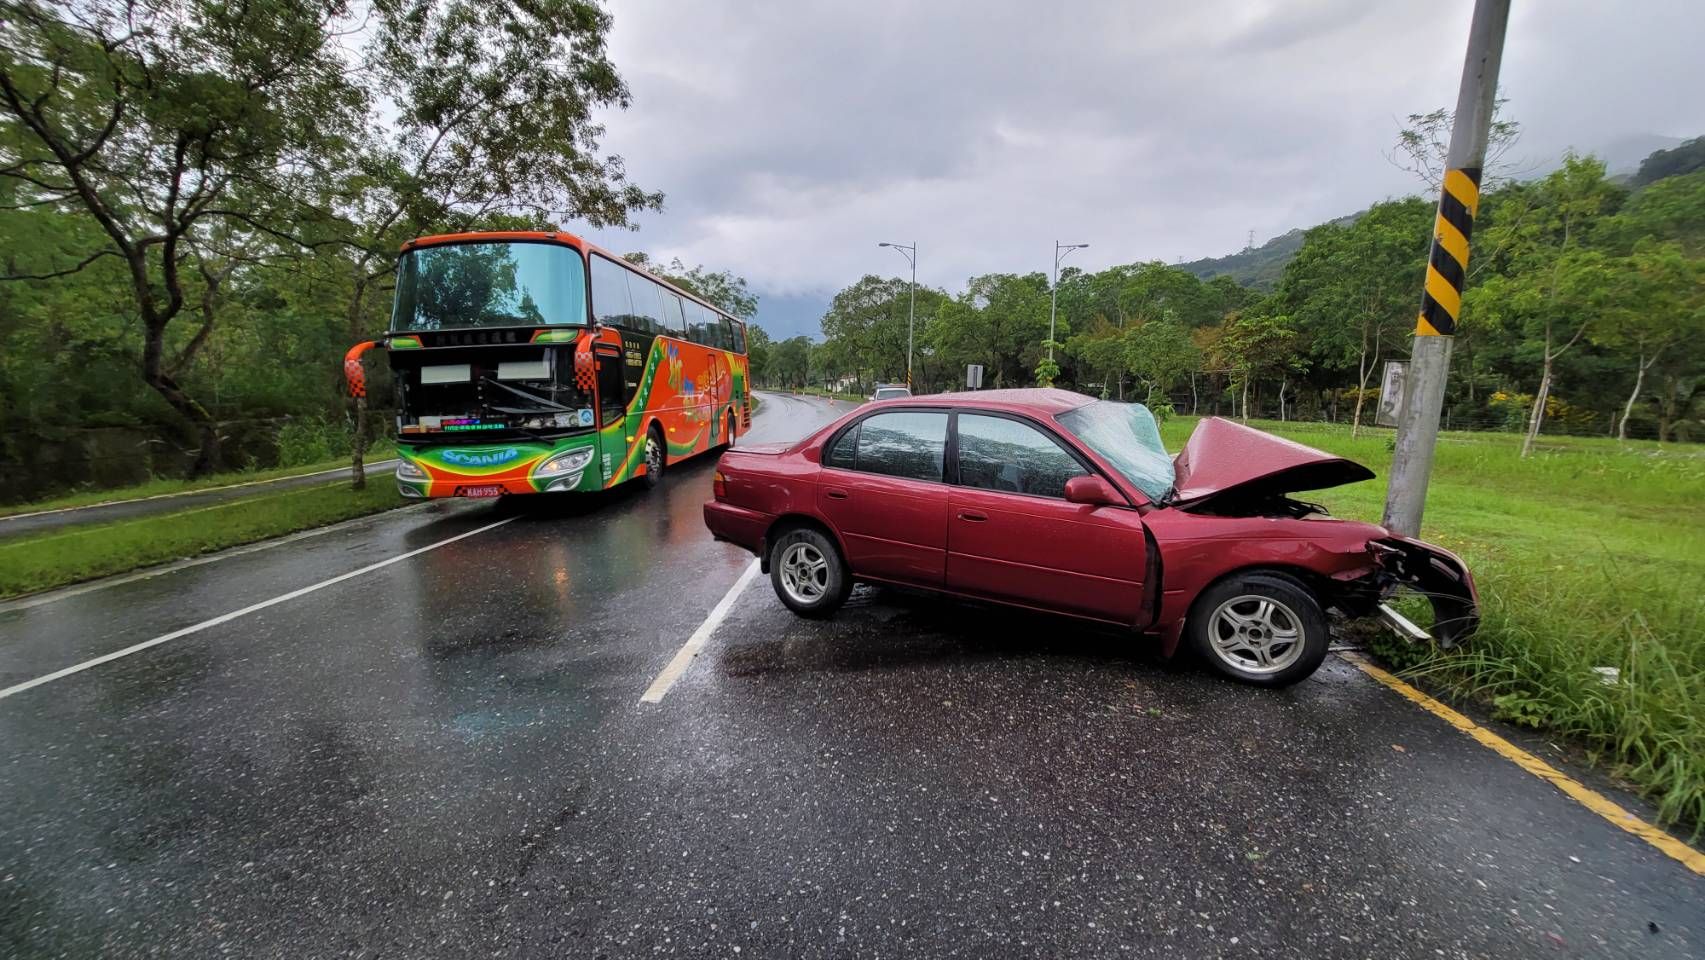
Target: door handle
{"x": 973, "y": 517}
{"x": 835, "y": 494}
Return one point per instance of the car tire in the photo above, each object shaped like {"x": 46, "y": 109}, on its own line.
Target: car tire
{"x": 1260, "y": 628}
{"x": 808, "y": 572}
{"x": 656, "y": 458}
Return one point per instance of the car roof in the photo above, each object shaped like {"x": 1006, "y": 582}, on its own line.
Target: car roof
{"x": 1035, "y": 400}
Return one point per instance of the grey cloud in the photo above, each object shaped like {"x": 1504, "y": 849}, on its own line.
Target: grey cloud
{"x": 790, "y": 138}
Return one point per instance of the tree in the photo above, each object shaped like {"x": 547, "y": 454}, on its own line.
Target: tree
{"x": 1540, "y": 232}
{"x": 1352, "y": 288}
{"x": 1687, "y": 157}
{"x": 1160, "y": 352}
{"x": 1423, "y": 146}
{"x": 191, "y": 134}
{"x": 1259, "y": 343}
{"x": 759, "y": 350}
{"x": 1654, "y": 301}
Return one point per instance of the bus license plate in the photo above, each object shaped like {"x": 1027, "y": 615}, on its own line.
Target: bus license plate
{"x": 492, "y": 490}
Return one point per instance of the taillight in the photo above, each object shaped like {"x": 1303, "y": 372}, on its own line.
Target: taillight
{"x": 719, "y": 486}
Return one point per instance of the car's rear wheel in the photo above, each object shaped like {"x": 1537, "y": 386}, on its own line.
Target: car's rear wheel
{"x": 808, "y": 573}
{"x": 1261, "y": 628}
{"x": 655, "y": 457}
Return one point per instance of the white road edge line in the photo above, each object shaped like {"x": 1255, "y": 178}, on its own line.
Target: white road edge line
{"x": 371, "y": 469}
{"x": 251, "y": 608}
{"x": 684, "y": 656}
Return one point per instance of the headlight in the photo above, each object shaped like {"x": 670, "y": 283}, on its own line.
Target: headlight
{"x": 574, "y": 461}
{"x": 406, "y": 470}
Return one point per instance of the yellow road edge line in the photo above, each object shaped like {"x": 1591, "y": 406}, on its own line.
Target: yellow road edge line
{"x": 1587, "y": 797}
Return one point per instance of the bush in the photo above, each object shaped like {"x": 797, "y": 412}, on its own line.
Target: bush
{"x": 305, "y": 441}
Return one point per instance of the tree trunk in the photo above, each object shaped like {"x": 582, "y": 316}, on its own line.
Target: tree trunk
{"x": 186, "y": 406}
{"x": 1628, "y": 408}
{"x": 1195, "y": 401}
{"x": 1282, "y": 381}
{"x": 1245, "y": 399}
{"x": 1537, "y": 418}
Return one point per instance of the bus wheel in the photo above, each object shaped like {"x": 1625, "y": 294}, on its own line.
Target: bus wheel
{"x": 654, "y": 458}
{"x": 728, "y": 438}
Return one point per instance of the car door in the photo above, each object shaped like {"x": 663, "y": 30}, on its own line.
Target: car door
{"x": 1012, "y": 535}
{"x": 882, "y": 488}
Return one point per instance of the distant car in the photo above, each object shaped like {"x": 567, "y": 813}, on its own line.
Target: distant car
{"x": 890, "y": 393}
{"x": 1054, "y": 501}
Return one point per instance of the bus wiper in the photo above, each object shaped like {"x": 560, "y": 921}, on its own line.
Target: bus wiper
{"x": 550, "y": 405}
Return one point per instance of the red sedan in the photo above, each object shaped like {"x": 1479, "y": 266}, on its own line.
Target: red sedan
{"x": 1055, "y": 501}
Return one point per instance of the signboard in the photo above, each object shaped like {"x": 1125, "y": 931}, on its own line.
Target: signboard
{"x": 974, "y": 376}
{"x": 1391, "y": 392}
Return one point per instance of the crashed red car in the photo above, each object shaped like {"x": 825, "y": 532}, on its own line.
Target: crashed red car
{"x": 1059, "y": 502}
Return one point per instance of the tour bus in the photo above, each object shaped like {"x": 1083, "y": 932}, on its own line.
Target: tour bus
{"x": 529, "y": 362}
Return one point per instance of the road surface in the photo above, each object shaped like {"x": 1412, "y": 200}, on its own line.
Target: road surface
{"x": 19, "y": 524}
{"x": 447, "y": 755}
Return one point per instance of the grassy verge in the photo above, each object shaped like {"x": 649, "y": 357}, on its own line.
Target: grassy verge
{"x": 1587, "y": 555}
{"x": 44, "y": 561}
{"x": 382, "y": 450}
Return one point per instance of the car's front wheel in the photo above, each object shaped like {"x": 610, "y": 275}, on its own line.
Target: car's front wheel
{"x": 808, "y": 573}
{"x": 1261, "y": 628}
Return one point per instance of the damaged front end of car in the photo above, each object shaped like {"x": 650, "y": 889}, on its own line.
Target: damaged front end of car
{"x": 1410, "y": 573}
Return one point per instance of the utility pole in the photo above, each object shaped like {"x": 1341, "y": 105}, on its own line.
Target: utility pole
{"x": 1061, "y": 250}
{"x": 1447, "y": 271}
{"x": 910, "y": 252}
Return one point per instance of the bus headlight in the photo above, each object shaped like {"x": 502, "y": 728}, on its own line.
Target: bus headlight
{"x": 406, "y": 470}
{"x": 564, "y": 470}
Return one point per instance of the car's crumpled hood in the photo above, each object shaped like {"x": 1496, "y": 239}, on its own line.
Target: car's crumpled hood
{"x": 1224, "y": 456}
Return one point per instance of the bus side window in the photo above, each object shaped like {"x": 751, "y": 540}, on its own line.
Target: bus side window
{"x": 739, "y": 337}
{"x": 727, "y": 328}
{"x": 611, "y": 409}
{"x": 673, "y": 321}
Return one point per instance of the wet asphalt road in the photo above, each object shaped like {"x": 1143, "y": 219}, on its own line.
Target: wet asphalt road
{"x": 19, "y": 524}
{"x": 447, "y": 757}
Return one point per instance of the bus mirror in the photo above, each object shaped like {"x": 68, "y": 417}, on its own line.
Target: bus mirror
{"x": 352, "y": 372}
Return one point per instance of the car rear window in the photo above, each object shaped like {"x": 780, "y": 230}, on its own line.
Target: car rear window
{"x": 910, "y": 444}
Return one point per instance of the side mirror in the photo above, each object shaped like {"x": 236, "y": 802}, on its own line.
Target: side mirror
{"x": 1092, "y": 490}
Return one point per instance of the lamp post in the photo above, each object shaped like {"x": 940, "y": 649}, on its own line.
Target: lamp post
{"x": 1060, "y": 252}
{"x": 910, "y": 252}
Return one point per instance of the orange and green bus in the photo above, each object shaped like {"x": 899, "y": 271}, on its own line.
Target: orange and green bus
{"x": 531, "y": 362}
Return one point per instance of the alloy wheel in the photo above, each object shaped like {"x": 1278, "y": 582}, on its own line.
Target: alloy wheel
{"x": 804, "y": 573}
{"x": 1255, "y": 634}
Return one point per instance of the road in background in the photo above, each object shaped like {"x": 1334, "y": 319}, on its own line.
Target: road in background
{"x": 447, "y": 756}
{"x": 19, "y": 524}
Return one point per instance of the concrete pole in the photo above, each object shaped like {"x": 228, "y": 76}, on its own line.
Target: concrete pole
{"x": 1447, "y": 270}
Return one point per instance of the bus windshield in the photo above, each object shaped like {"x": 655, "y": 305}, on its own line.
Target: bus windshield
{"x": 489, "y": 284}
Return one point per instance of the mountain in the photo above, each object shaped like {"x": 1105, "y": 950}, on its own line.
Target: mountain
{"x": 1261, "y": 267}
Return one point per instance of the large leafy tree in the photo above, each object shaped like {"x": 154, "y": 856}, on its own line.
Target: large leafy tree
{"x": 1353, "y": 288}
{"x": 192, "y": 135}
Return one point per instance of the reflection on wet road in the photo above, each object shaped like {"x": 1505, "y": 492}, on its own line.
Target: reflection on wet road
{"x": 446, "y": 757}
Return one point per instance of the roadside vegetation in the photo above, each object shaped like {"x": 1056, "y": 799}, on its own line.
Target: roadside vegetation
{"x": 29, "y": 564}
{"x": 165, "y": 486}
{"x": 1587, "y": 554}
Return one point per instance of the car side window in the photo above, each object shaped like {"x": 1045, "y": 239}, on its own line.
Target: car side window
{"x": 844, "y": 453}
{"x": 996, "y": 453}
{"x": 908, "y": 443}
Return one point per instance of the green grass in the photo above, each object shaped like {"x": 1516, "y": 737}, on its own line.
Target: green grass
{"x": 382, "y": 450}
{"x": 53, "y": 559}
{"x": 1589, "y": 554}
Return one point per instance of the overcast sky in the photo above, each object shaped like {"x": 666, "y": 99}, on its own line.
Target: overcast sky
{"x": 790, "y": 137}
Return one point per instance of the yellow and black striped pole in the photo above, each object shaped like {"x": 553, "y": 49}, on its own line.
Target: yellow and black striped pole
{"x": 1447, "y": 267}
{"x": 1447, "y": 271}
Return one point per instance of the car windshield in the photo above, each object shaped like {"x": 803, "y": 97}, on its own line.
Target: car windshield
{"x": 1126, "y": 436}
{"x": 465, "y": 285}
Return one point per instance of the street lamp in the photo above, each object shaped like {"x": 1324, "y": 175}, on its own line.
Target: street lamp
{"x": 1060, "y": 252}
{"x": 910, "y": 252}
